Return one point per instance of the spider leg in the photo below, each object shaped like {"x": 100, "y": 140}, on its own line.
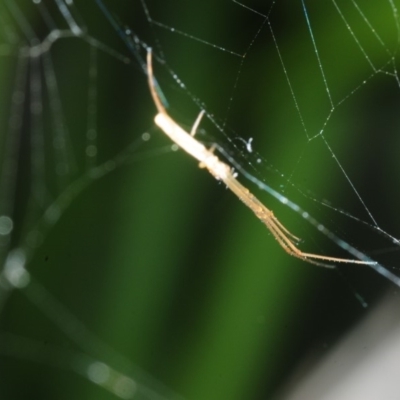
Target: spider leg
{"x": 275, "y": 227}
{"x": 197, "y": 123}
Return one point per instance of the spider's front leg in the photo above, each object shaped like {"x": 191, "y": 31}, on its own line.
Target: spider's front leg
{"x": 197, "y": 123}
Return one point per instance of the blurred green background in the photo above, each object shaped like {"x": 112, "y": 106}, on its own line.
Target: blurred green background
{"x": 159, "y": 262}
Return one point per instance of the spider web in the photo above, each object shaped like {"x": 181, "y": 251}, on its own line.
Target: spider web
{"x": 119, "y": 256}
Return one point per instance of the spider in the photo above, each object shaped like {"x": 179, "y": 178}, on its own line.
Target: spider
{"x": 223, "y": 172}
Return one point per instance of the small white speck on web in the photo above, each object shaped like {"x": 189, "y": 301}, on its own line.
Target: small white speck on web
{"x": 249, "y": 145}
